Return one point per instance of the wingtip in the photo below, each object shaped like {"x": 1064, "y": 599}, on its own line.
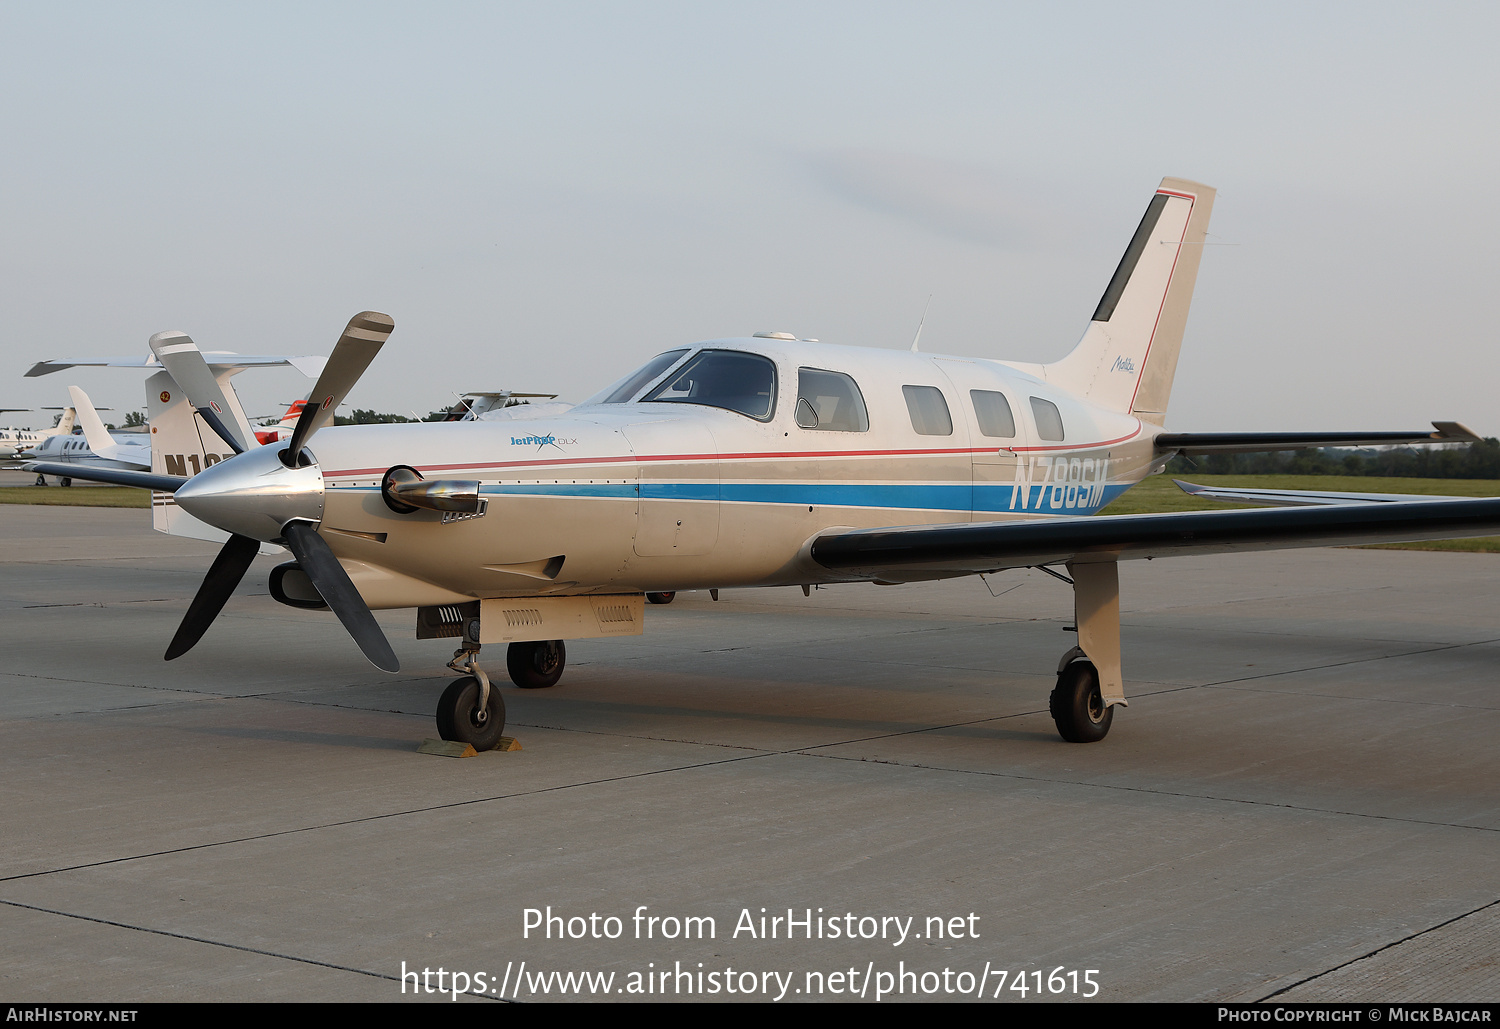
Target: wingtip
{"x": 1188, "y": 487}
{"x": 1458, "y": 432}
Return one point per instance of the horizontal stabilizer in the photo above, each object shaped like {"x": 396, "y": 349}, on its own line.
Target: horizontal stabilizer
{"x": 1299, "y": 498}
{"x": 310, "y": 365}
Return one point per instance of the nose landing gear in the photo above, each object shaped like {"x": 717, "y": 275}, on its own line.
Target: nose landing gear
{"x": 471, "y": 711}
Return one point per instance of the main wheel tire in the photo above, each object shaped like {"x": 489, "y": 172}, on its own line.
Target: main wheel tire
{"x": 1078, "y": 706}
{"x": 536, "y": 665}
{"x": 460, "y": 719}
{"x": 661, "y": 598}
{"x": 65, "y": 482}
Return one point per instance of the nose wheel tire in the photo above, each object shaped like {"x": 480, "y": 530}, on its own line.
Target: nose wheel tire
{"x": 460, "y": 719}
{"x": 537, "y": 664}
{"x": 1077, "y": 705}
{"x": 661, "y": 598}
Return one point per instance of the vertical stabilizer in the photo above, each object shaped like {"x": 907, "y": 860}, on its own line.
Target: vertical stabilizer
{"x": 181, "y": 444}
{"x": 1128, "y": 356}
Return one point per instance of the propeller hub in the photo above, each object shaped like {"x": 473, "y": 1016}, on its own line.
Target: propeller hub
{"x": 254, "y": 494}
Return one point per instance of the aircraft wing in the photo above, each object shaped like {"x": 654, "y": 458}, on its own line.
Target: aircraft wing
{"x": 310, "y": 366}
{"x": 938, "y": 551}
{"x": 1256, "y": 442}
{"x": 118, "y": 476}
{"x": 1299, "y": 498}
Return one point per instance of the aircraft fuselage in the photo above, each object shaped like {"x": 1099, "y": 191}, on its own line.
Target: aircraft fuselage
{"x": 667, "y": 495}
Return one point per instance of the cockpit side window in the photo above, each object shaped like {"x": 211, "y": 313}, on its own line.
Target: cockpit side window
{"x": 830, "y": 400}
{"x": 637, "y": 381}
{"x": 736, "y": 381}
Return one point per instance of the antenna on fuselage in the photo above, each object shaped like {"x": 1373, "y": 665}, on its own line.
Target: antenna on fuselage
{"x": 920, "y": 324}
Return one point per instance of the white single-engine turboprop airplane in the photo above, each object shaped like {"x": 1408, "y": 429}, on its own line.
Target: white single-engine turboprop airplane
{"x": 763, "y": 461}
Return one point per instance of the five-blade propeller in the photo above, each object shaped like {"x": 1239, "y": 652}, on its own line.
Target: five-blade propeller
{"x": 252, "y": 496}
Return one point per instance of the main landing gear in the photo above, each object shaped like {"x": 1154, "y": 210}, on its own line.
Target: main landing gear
{"x": 1077, "y": 704}
{"x": 472, "y": 710}
{"x": 1088, "y": 676}
{"x": 534, "y": 666}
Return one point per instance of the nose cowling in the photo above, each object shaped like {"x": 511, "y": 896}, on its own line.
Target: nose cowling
{"x": 255, "y": 494}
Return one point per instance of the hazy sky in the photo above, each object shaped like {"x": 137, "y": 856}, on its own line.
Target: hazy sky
{"x": 545, "y": 195}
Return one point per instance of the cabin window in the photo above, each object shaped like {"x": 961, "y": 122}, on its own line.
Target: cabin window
{"x": 736, "y": 381}
{"x": 993, "y": 412}
{"x": 928, "y": 410}
{"x": 637, "y": 381}
{"x": 830, "y": 400}
{"x": 1048, "y": 420}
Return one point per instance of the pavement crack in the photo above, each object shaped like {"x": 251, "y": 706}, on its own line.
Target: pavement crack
{"x": 1150, "y": 792}
{"x": 208, "y": 942}
{"x": 385, "y": 815}
{"x": 1377, "y": 950}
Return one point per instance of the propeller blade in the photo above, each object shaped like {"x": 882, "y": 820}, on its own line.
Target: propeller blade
{"x": 223, "y": 576}
{"x": 180, "y": 356}
{"x": 223, "y": 431}
{"x": 338, "y": 592}
{"x": 363, "y": 337}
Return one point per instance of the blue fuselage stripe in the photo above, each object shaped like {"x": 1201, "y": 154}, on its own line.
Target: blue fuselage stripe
{"x": 984, "y": 498}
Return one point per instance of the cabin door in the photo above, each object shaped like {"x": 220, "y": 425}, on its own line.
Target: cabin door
{"x": 678, "y": 513}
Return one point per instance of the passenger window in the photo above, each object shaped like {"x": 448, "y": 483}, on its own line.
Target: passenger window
{"x": 739, "y": 382}
{"x": 993, "y": 412}
{"x": 928, "y": 410}
{"x": 1048, "y": 420}
{"x": 830, "y": 400}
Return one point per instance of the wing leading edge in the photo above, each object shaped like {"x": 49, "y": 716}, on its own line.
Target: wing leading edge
{"x": 918, "y": 552}
{"x": 1257, "y": 442}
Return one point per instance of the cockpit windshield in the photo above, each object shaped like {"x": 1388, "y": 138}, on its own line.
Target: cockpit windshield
{"x": 736, "y": 381}
{"x": 625, "y": 390}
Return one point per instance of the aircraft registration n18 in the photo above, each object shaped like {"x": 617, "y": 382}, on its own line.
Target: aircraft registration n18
{"x": 760, "y": 461}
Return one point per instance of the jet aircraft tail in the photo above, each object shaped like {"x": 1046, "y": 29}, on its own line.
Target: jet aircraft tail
{"x": 1128, "y": 356}
{"x": 181, "y": 444}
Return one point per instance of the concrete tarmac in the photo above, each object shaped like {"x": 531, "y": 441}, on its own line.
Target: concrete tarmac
{"x": 1300, "y": 802}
